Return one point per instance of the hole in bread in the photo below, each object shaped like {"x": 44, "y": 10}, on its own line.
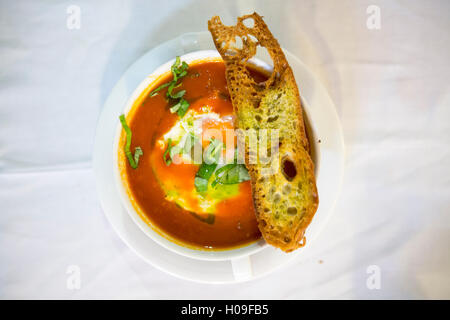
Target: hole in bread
{"x": 286, "y": 189}
{"x": 249, "y": 22}
{"x": 288, "y": 169}
{"x": 276, "y": 198}
{"x": 231, "y": 52}
{"x": 272, "y": 119}
{"x": 263, "y": 54}
{"x": 252, "y": 38}
{"x": 238, "y": 44}
{"x": 292, "y": 211}
{"x": 260, "y": 74}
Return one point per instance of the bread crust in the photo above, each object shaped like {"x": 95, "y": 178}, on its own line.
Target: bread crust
{"x": 284, "y": 204}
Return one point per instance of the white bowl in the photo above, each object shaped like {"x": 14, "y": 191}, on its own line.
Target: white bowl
{"x": 153, "y": 231}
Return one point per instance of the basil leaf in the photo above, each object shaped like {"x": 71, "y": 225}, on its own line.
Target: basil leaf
{"x": 181, "y": 108}
{"x": 178, "y": 95}
{"x": 155, "y": 92}
{"x": 175, "y": 107}
{"x": 174, "y": 151}
{"x": 243, "y": 173}
{"x": 174, "y": 68}
{"x": 190, "y": 142}
{"x": 202, "y": 177}
{"x": 201, "y": 185}
{"x": 231, "y": 174}
{"x": 184, "y": 146}
{"x": 184, "y": 105}
{"x": 220, "y": 172}
{"x": 225, "y": 168}
{"x": 179, "y": 70}
{"x": 168, "y": 161}
{"x": 173, "y": 85}
{"x": 177, "y": 61}
{"x": 132, "y": 160}
{"x": 212, "y": 153}
{"x": 137, "y": 153}
{"x": 209, "y": 219}
{"x": 206, "y": 170}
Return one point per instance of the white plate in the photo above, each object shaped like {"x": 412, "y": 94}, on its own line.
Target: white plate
{"x": 321, "y": 112}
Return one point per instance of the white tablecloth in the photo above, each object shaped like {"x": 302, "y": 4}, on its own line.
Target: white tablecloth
{"x": 392, "y": 91}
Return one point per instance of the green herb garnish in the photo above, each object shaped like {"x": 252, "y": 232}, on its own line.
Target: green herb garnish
{"x": 155, "y": 92}
{"x": 202, "y": 177}
{"x": 209, "y": 219}
{"x": 177, "y": 95}
{"x": 183, "y": 147}
{"x": 181, "y": 107}
{"x": 212, "y": 153}
{"x": 201, "y": 184}
{"x": 132, "y": 159}
{"x": 232, "y": 173}
{"x": 168, "y": 161}
{"x": 179, "y": 70}
{"x": 191, "y": 139}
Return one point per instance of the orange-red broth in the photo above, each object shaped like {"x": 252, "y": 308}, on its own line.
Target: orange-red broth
{"x": 235, "y": 222}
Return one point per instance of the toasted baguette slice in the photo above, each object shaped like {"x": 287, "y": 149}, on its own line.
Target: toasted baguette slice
{"x": 285, "y": 200}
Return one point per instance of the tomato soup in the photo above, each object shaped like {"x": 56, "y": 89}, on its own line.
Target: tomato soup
{"x": 166, "y": 193}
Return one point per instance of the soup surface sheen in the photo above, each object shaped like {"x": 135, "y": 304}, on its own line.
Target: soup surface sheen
{"x": 166, "y": 194}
